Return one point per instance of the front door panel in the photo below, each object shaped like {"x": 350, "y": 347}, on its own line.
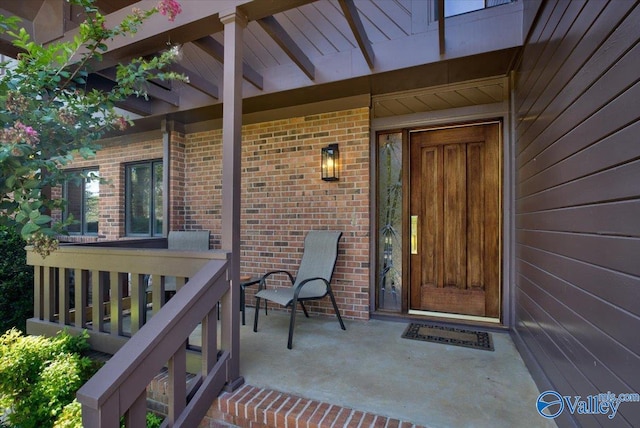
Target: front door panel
{"x": 455, "y": 194}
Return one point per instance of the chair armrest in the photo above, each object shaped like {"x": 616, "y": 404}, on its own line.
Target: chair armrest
{"x": 306, "y": 281}
{"x": 263, "y": 280}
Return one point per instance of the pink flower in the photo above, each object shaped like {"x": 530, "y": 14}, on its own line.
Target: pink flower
{"x": 120, "y": 123}
{"x": 170, "y": 8}
{"x": 18, "y": 134}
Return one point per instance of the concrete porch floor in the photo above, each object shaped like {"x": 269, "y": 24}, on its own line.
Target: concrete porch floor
{"x": 369, "y": 367}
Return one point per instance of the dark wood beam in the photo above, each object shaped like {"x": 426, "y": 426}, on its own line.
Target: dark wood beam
{"x": 288, "y": 45}
{"x": 149, "y": 88}
{"x": 441, "y": 26}
{"x": 135, "y": 105}
{"x": 196, "y": 81}
{"x": 216, "y": 50}
{"x": 353, "y": 18}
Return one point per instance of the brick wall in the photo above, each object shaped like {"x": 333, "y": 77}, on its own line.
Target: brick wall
{"x": 282, "y": 194}
{"x": 283, "y": 197}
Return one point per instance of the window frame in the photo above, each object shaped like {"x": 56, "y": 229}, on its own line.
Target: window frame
{"x": 84, "y": 173}
{"x": 128, "y": 218}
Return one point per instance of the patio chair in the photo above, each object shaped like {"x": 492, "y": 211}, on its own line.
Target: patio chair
{"x": 312, "y": 282}
{"x": 196, "y": 240}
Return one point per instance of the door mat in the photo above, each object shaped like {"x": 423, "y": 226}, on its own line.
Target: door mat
{"x": 449, "y": 336}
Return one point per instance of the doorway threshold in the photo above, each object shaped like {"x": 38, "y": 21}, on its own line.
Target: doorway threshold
{"x": 437, "y": 317}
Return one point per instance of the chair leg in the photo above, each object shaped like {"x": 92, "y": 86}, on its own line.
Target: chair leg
{"x": 335, "y": 308}
{"x": 304, "y": 308}
{"x": 292, "y": 322}
{"x": 255, "y": 314}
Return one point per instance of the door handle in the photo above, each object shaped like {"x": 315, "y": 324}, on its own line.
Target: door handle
{"x": 414, "y": 234}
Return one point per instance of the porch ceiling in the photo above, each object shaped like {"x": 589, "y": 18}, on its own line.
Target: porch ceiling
{"x": 295, "y": 51}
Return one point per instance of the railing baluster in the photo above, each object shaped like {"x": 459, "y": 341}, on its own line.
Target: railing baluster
{"x": 49, "y": 294}
{"x": 115, "y": 296}
{"x": 137, "y": 302}
{"x": 63, "y": 310}
{"x": 180, "y": 281}
{"x": 209, "y": 340}
{"x": 81, "y": 279}
{"x": 97, "y": 300}
{"x": 177, "y": 383}
{"x": 137, "y": 414}
{"x": 37, "y": 292}
{"x": 157, "y": 292}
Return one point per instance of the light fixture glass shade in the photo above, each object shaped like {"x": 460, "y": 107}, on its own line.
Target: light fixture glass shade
{"x": 330, "y": 163}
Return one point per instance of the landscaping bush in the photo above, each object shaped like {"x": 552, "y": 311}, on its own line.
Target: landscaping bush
{"x": 16, "y": 281}
{"x": 39, "y": 376}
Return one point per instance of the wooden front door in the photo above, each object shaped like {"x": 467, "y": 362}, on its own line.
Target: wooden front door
{"x": 455, "y": 220}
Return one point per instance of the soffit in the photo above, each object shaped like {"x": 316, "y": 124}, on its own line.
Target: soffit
{"x": 333, "y": 37}
{"x": 480, "y": 92}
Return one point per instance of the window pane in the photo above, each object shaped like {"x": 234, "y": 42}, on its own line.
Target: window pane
{"x": 91, "y": 201}
{"x": 157, "y": 190}
{"x": 389, "y": 268}
{"x": 139, "y": 202}
{"x": 456, "y": 7}
{"x": 73, "y": 196}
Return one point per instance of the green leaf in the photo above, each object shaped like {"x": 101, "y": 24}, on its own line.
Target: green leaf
{"x": 21, "y": 217}
{"x": 29, "y": 229}
{"x": 42, "y": 219}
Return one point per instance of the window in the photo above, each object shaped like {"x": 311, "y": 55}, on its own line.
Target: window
{"x": 144, "y": 199}
{"x": 458, "y": 7}
{"x": 389, "y": 286}
{"x": 82, "y": 192}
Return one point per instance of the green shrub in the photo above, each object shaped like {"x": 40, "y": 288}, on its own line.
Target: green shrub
{"x": 71, "y": 417}
{"x": 40, "y": 376}
{"x": 16, "y": 281}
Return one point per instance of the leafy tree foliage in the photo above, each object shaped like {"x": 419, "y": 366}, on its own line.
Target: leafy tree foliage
{"x": 16, "y": 281}
{"x": 49, "y": 113}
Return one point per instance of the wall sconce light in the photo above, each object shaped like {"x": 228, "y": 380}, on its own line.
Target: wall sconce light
{"x": 330, "y": 163}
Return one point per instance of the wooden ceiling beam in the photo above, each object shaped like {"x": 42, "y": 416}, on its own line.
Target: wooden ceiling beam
{"x": 288, "y": 45}
{"x": 135, "y": 105}
{"x": 441, "y": 26}
{"x": 196, "y": 81}
{"x": 151, "y": 89}
{"x": 353, "y": 18}
{"x": 216, "y": 50}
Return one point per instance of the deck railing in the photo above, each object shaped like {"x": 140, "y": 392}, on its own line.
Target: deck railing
{"x": 111, "y": 293}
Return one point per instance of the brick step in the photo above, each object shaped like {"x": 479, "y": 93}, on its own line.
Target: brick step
{"x": 254, "y": 407}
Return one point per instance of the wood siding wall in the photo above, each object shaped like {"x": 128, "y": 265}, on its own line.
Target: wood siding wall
{"x": 577, "y": 291}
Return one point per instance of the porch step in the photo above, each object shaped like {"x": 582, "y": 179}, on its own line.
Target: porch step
{"x": 251, "y": 406}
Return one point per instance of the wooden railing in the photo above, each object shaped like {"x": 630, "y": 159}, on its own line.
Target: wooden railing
{"x": 87, "y": 288}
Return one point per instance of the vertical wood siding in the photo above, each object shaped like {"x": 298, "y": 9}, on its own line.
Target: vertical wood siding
{"x": 577, "y": 291}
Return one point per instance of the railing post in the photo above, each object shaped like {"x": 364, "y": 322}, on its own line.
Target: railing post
{"x": 234, "y": 23}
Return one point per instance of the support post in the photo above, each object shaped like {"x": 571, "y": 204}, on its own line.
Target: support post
{"x": 234, "y": 23}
